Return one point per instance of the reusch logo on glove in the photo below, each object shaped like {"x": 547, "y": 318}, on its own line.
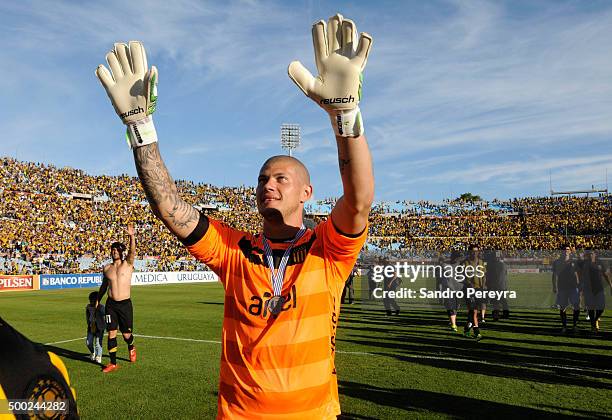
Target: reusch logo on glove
{"x": 339, "y": 122}
{"x": 337, "y": 100}
{"x": 132, "y": 112}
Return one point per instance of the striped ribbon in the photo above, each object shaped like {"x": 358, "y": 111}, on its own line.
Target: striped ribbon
{"x": 277, "y": 276}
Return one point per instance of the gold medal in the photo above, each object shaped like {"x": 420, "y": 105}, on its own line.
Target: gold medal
{"x": 275, "y": 304}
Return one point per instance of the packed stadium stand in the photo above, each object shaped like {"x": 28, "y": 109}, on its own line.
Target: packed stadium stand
{"x": 62, "y": 219}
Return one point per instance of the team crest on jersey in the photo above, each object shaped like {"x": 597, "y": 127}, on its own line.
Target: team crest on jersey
{"x": 46, "y": 388}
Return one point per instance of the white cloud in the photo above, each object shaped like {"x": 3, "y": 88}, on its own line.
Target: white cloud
{"x": 503, "y": 84}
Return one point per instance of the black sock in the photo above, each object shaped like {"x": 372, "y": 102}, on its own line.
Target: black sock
{"x": 563, "y": 318}
{"x": 476, "y": 331}
{"x": 130, "y": 341}
{"x": 592, "y": 317}
{"x": 575, "y": 316}
{"x": 468, "y": 325}
{"x": 112, "y": 350}
{"x": 598, "y": 314}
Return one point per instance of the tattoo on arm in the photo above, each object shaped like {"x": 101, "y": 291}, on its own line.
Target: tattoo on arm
{"x": 153, "y": 174}
{"x": 343, "y": 164}
{"x": 161, "y": 190}
{"x": 182, "y": 213}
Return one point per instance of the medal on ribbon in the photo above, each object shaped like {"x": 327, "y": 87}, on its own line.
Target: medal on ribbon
{"x": 275, "y": 304}
{"x": 277, "y": 277}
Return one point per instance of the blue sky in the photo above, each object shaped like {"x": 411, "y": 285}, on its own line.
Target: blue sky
{"x": 478, "y": 96}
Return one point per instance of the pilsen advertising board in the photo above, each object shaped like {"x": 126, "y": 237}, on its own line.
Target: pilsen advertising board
{"x": 9, "y": 283}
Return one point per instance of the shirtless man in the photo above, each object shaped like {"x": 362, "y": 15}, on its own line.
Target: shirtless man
{"x": 119, "y": 312}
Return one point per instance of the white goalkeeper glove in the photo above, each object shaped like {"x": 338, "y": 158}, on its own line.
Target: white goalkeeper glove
{"x": 340, "y": 62}
{"x": 132, "y": 89}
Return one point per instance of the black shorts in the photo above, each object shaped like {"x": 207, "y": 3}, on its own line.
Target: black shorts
{"x": 119, "y": 314}
{"x": 475, "y": 303}
{"x": 451, "y": 304}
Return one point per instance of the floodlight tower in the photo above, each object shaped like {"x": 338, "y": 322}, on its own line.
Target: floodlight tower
{"x": 290, "y": 137}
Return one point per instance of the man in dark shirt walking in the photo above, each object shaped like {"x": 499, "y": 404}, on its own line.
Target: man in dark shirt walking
{"x": 565, "y": 284}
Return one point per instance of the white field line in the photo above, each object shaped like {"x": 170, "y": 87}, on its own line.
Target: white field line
{"x": 365, "y": 353}
{"x": 484, "y": 362}
{"x": 65, "y": 341}
{"x": 178, "y": 338}
{"x": 143, "y": 336}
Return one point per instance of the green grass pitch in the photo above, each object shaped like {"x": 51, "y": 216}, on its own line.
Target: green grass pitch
{"x": 403, "y": 366}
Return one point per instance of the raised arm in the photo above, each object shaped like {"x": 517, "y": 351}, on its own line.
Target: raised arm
{"x": 179, "y": 216}
{"x": 131, "y": 256}
{"x": 340, "y": 61}
{"x": 132, "y": 89}
{"x": 350, "y": 214}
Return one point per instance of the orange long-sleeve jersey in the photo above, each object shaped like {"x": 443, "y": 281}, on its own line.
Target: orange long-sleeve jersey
{"x": 279, "y": 366}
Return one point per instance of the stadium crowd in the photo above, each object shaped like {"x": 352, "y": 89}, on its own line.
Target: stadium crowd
{"x": 62, "y": 219}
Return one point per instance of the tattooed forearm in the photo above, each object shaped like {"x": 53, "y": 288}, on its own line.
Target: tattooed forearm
{"x": 162, "y": 194}
{"x": 343, "y": 164}
{"x": 154, "y": 176}
{"x": 182, "y": 214}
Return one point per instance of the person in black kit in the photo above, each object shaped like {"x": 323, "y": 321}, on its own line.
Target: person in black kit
{"x": 371, "y": 282}
{"x": 450, "y": 284}
{"x": 594, "y": 272}
{"x": 497, "y": 280}
{"x": 390, "y": 284}
{"x": 475, "y": 305}
{"x": 565, "y": 284}
{"x": 349, "y": 288}
{"x": 580, "y": 259}
{"x": 116, "y": 279}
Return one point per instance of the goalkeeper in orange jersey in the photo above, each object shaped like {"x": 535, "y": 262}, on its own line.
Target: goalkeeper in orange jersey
{"x": 283, "y": 285}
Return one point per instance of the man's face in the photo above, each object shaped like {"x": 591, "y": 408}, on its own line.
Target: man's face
{"x": 115, "y": 254}
{"x": 474, "y": 252}
{"x": 281, "y": 189}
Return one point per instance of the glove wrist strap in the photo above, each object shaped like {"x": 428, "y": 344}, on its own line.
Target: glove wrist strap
{"x": 347, "y": 123}
{"x": 141, "y": 133}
